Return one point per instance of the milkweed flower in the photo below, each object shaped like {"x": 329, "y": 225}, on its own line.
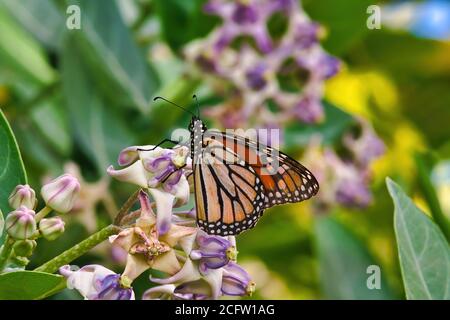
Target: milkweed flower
{"x": 236, "y": 281}
{"x": 193, "y": 261}
{"x": 95, "y": 282}
{"x": 347, "y": 178}
{"x": 146, "y": 247}
{"x": 365, "y": 147}
{"x": 61, "y": 193}
{"x": 213, "y": 251}
{"x": 160, "y": 171}
{"x": 23, "y": 195}
{"x": 256, "y": 75}
{"x": 20, "y": 223}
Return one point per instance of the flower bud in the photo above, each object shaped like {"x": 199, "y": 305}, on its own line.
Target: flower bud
{"x": 24, "y": 248}
{"x": 20, "y": 224}
{"x": 60, "y": 194}
{"x": 23, "y": 195}
{"x": 51, "y": 228}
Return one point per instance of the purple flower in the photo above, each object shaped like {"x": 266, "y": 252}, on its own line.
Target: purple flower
{"x": 245, "y": 13}
{"x": 110, "y": 288}
{"x": 95, "y": 282}
{"x": 241, "y": 18}
{"x": 329, "y": 66}
{"x": 306, "y": 34}
{"x": 250, "y": 72}
{"x": 353, "y": 193}
{"x": 256, "y": 78}
{"x": 214, "y": 251}
{"x": 309, "y": 110}
{"x": 366, "y": 147}
{"x": 236, "y": 281}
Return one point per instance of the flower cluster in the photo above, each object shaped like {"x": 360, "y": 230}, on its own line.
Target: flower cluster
{"x": 346, "y": 176}
{"x": 155, "y": 236}
{"x": 264, "y": 73}
{"x": 23, "y": 225}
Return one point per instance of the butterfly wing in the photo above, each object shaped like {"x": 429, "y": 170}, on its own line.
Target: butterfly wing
{"x": 236, "y": 179}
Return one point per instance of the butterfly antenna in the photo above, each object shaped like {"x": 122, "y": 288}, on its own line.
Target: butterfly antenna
{"x": 198, "y": 107}
{"x": 173, "y": 103}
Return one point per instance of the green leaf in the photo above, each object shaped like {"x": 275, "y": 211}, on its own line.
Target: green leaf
{"x": 117, "y": 64}
{"x": 99, "y": 128}
{"x": 344, "y": 262}
{"x": 424, "y": 252}
{"x": 40, "y": 18}
{"x": 2, "y": 223}
{"x": 335, "y": 124}
{"x": 183, "y": 21}
{"x": 50, "y": 118}
{"x": 12, "y": 171}
{"x": 29, "y": 285}
{"x": 20, "y": 54}
{"x": 424, "y": 164}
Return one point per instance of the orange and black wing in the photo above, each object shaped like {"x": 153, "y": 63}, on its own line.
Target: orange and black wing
{"x": 236, "y": 179}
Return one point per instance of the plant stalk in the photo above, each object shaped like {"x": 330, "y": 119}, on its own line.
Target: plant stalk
{"x": 6, "y": 252}
{"x": 87, "y": 244}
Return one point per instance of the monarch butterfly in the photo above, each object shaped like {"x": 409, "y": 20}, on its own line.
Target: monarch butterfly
{"x": 236, "y": 180}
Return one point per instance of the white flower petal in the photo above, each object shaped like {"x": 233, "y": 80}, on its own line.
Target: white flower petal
{"x": 83, "y": 280}
{"x": 181, "y": 192}
{"x": 135, "y": 174}
{"x": 164, "y": 203}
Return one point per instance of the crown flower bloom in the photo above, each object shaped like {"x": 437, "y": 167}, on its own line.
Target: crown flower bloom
{"x": 20, "y": 223}
{"x": 157, "y": 237}
{"x": 51, "y": 228}
{"x": 257, "y": 74}
{"x": 23, "y": 195}
{"x": 161, "y": 172}
{"x": 146, "y": 247}
{"x": 236, "y": 281}
{"x": 95, "y": 282}
{"x": 61, "y": 193}
{"x": 214, "y": 251}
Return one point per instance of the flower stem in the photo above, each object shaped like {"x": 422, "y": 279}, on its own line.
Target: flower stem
{"x": 43, "y": 213}
{"x": 78, "y": 250}
{"x": 6, "y": 252}
{"x": 87, "y": 244}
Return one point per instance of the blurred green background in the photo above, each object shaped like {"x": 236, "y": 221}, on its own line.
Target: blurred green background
{"x": 80, "y": 96}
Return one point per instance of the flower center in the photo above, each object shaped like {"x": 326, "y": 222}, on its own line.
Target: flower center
{"x": 232, "y": 253}
{"x": 250, "y": 288}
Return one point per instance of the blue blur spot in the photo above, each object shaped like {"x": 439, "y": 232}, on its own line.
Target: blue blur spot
{"x": 432, "y": 20}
